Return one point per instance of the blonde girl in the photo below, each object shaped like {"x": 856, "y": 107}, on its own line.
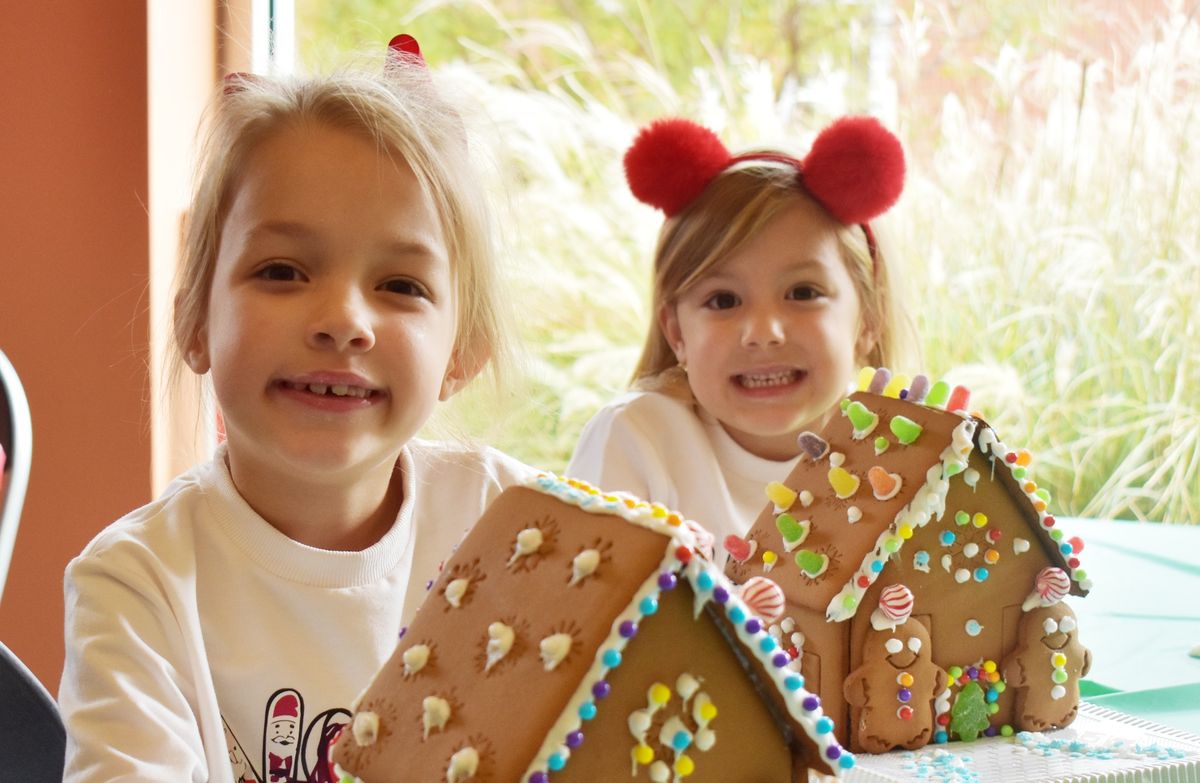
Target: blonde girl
{"x": 337, "y": 283}
{"x": 770, "y": 291}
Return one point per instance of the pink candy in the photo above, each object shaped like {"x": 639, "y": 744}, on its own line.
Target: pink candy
{"x": 895, "y": 607}
{"x": 739, "y": 548}
{"x": 1052, "y": 584}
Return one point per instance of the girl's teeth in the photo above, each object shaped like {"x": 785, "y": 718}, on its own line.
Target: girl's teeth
{"x": 760, "y": 381}
{"x": 340, "y": 390}
{"x": 317, "y": 388}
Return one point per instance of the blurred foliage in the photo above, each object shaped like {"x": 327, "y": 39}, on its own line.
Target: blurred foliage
{"x": 1049, "y": 228}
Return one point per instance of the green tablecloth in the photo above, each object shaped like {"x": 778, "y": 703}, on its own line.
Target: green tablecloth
{"x": 1142, "y": 618}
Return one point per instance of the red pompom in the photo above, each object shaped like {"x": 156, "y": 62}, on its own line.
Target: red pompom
{"x": 405, "y": 48}
{"x": 855, "y": 169}
{"x": 671, "y": 161}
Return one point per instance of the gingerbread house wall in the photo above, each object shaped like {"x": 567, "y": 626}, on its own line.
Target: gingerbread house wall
{"x": 946, "y": 606}
{"x": 750, "y": 746}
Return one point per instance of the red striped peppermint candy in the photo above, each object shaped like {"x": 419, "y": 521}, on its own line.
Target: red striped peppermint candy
{"x": 895, "y": 607}
{"x": 763, "y": 597}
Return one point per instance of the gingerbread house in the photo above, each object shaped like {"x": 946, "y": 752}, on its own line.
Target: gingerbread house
{"x": 924, "y": 577}
{"x": 578, "y": 636}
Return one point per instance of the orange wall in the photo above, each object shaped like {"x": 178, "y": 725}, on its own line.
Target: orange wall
{"x": 74, "y": 244}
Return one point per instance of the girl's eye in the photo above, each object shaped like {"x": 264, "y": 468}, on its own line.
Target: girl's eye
{"x": 804, "y": 293}
{"x": 722, "y": 301}
{"x": 406, "y": 287}
{"x": 279, "y": 272}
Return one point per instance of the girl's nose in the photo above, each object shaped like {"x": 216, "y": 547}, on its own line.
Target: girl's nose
{"x": 342, "y": 322}
{"x": 763, "y": 329}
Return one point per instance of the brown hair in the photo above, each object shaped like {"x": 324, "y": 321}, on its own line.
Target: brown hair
{"x": 733, "y": 207}
{"x": 402, "y": 113}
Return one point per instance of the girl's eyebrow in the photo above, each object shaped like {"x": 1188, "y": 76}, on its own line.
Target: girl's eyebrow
{"x": 295, "y": 230}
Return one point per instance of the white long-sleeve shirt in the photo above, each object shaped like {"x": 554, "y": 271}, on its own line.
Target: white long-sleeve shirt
{"x": 665, "y": 450}
{"x": 205, "y": 645}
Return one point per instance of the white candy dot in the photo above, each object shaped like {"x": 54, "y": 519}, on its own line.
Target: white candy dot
{"x": 1057, "y": 692}
{"x": 893, "y": 646}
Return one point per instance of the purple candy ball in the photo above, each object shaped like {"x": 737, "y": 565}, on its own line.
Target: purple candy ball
{"x": 721, "y": 595}
{"x": 811, "y": 703}
{"x": 539, "y": 777}
{"x": 574, "y": 739}
{"x": 780, "y": 660}
{"x": 666, "y": 581}
{"x": 628, "y": 629}
{"x": 833, "y": 752}
{"x": 753, "y": 625}
{"x": 601, "y": 689}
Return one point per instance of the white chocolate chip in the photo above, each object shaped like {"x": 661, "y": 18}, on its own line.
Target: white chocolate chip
{"x": 554, "y": 649}
{"x": 437, "y": 713}
{"x": 583, "y": 566}
{"x": 463, "y": 765}
{"x": 687, "y": 685}
{"x": 853, "y": 514}
{"x": 365, "y": 728}
{"x": 456, "y": 590}
{"x": 529, "y": 541}
{"x": 500, "y": 641}
{"x": 415, "y": 658}
{"x": 806, "y": 498}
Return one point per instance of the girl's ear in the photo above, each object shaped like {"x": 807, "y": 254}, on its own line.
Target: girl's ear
{"x": 867, "y": 341}
{"x": 195, "y": 354}
{"x": 668, "y": 322}
{"x": 460, "y": 371}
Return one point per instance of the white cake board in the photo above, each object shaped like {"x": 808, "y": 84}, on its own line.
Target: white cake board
{"x": 1100, "y": 746}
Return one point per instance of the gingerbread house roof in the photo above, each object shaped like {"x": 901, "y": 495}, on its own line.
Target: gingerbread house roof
{"x": 836, "y": 525}
{"x": 538, "y": 607}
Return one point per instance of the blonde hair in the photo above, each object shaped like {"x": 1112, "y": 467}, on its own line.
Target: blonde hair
{"x": 735, "y": 206}
{"x": 405, "y": 116}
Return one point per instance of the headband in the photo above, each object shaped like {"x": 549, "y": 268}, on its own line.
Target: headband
{"x": 403, "y": 50}
{"x": 855, "y": 169}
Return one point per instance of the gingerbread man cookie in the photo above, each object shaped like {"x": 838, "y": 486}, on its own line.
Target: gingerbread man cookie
{"x": 1045, "y": 668}
{"x": 892, "y": 693}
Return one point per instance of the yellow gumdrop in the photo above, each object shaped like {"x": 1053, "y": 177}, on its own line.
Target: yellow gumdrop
{"x": 780, "y": 495}
{"x": 642, "y": 754}
{"x": 769, "y": 557}
{"x": 980, "y": 520}
{"x": 684, "y": 766}
{"x": 906, "y": 531}
{"x": 865, "y": 376}
{"x": 659, "y": 693}
{"x": 989, "y": 666}
{"x": 708, "y": 712}
{"x": 658, "y": 511}
{"x": 1059, "y": 659}
{"x": 895, "y": 386}
{"x": 844, "y": 483}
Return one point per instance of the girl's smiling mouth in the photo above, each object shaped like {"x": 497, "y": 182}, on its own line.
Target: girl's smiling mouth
{"x": 771, "y": 378}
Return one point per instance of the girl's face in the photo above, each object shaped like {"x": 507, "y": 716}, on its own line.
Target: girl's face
{"x": 331, "y": 320}
{"x": 770, "y": 337}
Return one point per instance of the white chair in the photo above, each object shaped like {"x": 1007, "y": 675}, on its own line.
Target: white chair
{"x": 33, "y": 742}
{"x": 16, "y": 440}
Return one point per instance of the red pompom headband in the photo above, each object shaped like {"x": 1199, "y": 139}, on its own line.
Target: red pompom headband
{"x": 855, "y": 168}
{"x": 403, "y": 50}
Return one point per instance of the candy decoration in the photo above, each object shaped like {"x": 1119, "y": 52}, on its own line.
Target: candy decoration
{"x": 918, "y": 388}
{"x": 885, "y": 485}
{"x": 463, "y": 765}
{"x": 806, "y": 498}
{"x": 365, "y": 728}
{"x": 880, "y": 381}
{"x": 1050, "y": 586}
{"x": 794, "y": 532}
{"x": 780, "y": 495}
{"x": 905, "y": 429}
{"x": 764, "y": 597}
{"x": 844, "y": 483}
{"x": 881, "y": 445}
{"x": 554, "y": 649}
{"x": 853, "y": 514}
{"x": 415, "y": 658}
{"x": 529, "y": 541}
{"x": 895, "y": 607}
{"x": 865, "y": 376}
{"x": 959, "y": 399}
{"x": 739, "y": 548}
{"x": 973, "y": 628}
{"x": 1020, "y": 546}
{"x": 813, "y": 445}
{"x": 921, "y": 561}
{"x": 812, "y": 564}
{"x": 583, "y": 566}
{"x": 456, "y": 590}
{"x": 863, "y": 420}
{"x": 938, "y": 395}
{"x": 895, "y": 386}
{"x": 500, "y": 641}
{"x": 436, "y": 714}
{"x": 1076, "y": 544}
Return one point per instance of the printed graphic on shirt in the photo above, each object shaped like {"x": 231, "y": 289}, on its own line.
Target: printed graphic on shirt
{"x": 292, "y": 752}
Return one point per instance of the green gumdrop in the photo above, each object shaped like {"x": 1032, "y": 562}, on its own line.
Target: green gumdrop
{"x": 881, "y": 444}
{"x": 954, "y": 468}
{"x": 962, "y": 518}
{"x": 905, "y": 429}
{"x": 938, "y": 395}
{"x": 968, "y": 716}
{"x": 1019, "y": 473}
{"x": 844, "y": 404}
{"x": 789, "y": 527}
{"x": 812, "y": 563}
{"x": 862, "y": 418}
{"x": 1043, "y": 493}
